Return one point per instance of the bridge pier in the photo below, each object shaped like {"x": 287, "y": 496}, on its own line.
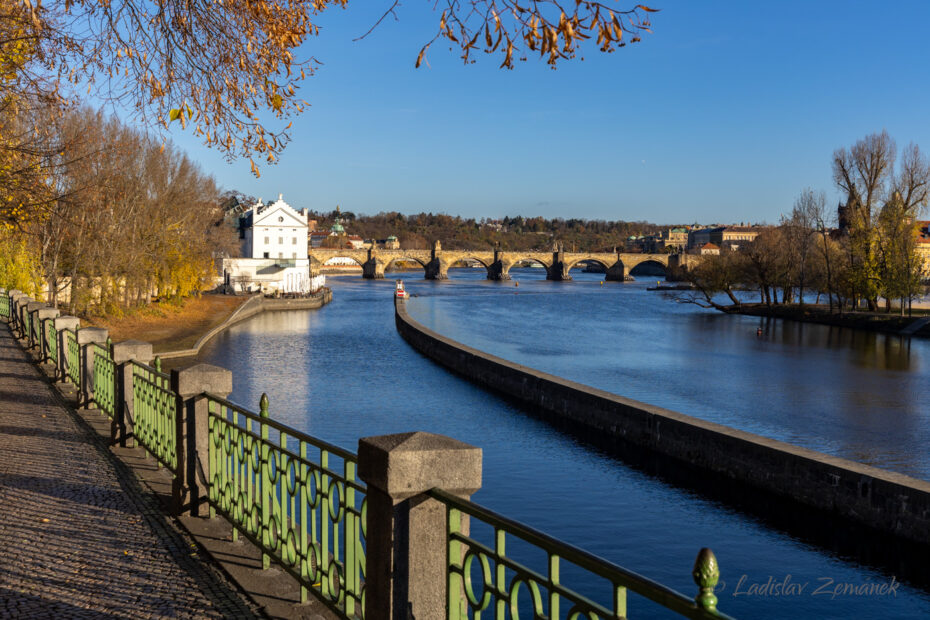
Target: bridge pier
{"x": 618, "y": 272}
{"x": 497, "y": 270}
{"x": 373, "y": 270}
{"x": 678, "y": 265}
{"x": 558, "y": 271}
{"x": 437, "y": 270}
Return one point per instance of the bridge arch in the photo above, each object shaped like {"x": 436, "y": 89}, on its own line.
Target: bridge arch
{"x": 388, "y": 261}
{"x": 465, "y": 259}
{"x": 328, "y": 262}
{"x": 511, "y": 262}
{"x": 648, "y": 267}
{"x": 584, "y": 260}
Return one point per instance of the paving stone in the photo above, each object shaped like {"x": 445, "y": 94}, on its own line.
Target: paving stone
{"x": 79, "y": 538}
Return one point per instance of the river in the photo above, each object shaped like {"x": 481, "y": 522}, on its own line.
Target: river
{"x": 342, "y": 372}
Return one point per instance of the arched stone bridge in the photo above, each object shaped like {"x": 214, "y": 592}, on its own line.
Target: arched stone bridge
{"x": 558, "y": 263}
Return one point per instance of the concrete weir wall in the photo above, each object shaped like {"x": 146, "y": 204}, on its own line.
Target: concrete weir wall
{"x": 881, "y": 499}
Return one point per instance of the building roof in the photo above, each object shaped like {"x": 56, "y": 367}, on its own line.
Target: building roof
{"x": 710, "y": 246}
{"x": 923, "y": 232}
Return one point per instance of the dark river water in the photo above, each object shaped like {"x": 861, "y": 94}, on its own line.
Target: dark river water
{"x": 342, "y": 372}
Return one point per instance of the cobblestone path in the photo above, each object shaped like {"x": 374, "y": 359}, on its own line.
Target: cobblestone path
{"x": 78, "y": 536}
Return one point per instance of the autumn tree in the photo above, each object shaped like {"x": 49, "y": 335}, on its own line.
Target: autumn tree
{"x": 131, "y": 217}
{"x": 722, "y": 273}
{"x": 224, "y": 68}
{"x": 878, "y": 201}
{"x": 799, "y": 230}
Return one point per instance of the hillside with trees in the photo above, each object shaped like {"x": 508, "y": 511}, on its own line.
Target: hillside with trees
{"x": 512, "y": 233}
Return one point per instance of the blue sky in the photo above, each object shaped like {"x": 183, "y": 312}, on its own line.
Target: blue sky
{"x": 724, "y": 114}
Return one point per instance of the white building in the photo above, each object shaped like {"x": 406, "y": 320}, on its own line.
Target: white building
{"x": 273, "y": 251}
{"x": 274, "y": 231}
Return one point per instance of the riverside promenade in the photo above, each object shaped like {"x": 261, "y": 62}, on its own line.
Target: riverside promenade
{"x": 80, "y": 537}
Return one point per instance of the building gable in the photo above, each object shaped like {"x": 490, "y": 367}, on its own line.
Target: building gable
{"x": 279, "y": 215}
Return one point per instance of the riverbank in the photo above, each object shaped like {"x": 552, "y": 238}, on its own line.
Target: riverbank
{"x": 181, "y": 331}
{"x": 171, "y": 327}
{"x": 820, "y": 314}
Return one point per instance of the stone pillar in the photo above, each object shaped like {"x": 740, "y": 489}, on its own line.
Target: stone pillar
{"x": 406, "y": 529}
{"x": 61, "y": 324}
{"x": 616, "y": 272}
{"x": 31, "y": 308}
{"x": 21, "y": 304}
{"x": 124, "y": 353}
{"x": 14, "y": 295}
{"x": 42, "y": 315}
{"x": 85, "y": 338}
{"x": 557, "y": 271}
{"x": 193, "y": 476}
{"x": 437, "y": 269}
{"x": 498, "y": 271}
{"x": 372, "y": 269}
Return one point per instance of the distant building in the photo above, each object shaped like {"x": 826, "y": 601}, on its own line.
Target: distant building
{"x": 711, "y": 249}
{"x": 698, "y": 237}
{"x": 273, "y": 231}
{"x": 355, "y": 242}
{"x": 634, "y": 244}
{"x": 674, "y": 238}
{"x": 730, "y": 237}
{"x": 923, "y": 246}
{"x": 317, "y": 237}
{"x": 273, "y": 248}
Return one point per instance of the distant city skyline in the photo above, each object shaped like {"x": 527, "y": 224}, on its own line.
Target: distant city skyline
{"x": 722, "y": 115}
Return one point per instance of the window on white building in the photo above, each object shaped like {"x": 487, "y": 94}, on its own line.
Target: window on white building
{"x": 294, "y": 255}
{"x": 280, "y": 240}
{"x": 267, "y": 240}
{"x": 294, "y": 241}
{"x": 280, "y": 254}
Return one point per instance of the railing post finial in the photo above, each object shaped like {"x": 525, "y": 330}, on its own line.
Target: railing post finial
{"x": 158, "y": 363}
{"x": 263, "y": 405}
{"x": 706, "y": 573}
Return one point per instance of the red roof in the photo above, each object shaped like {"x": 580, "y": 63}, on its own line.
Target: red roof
{"x": 923, "y": 232}
{"x": 710, "y": 246}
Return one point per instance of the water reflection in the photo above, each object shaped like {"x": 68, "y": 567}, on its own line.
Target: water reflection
{"x": 849, "y": 393}
{"x": 350, "y": 375}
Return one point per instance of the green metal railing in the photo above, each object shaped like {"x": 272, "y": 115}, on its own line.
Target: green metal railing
{"x": 35, "y": 338}
{"x": 486, "y": 580}
{"x": 104, "y": 379}
{"x": 5, "y": 305}
{"x": 155, "y": 411}
{"x": 72, "y": 354}
{"x": 295, "y": 497}
{"x": 51, "y": 341}
{"x": 26, "y": 326}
